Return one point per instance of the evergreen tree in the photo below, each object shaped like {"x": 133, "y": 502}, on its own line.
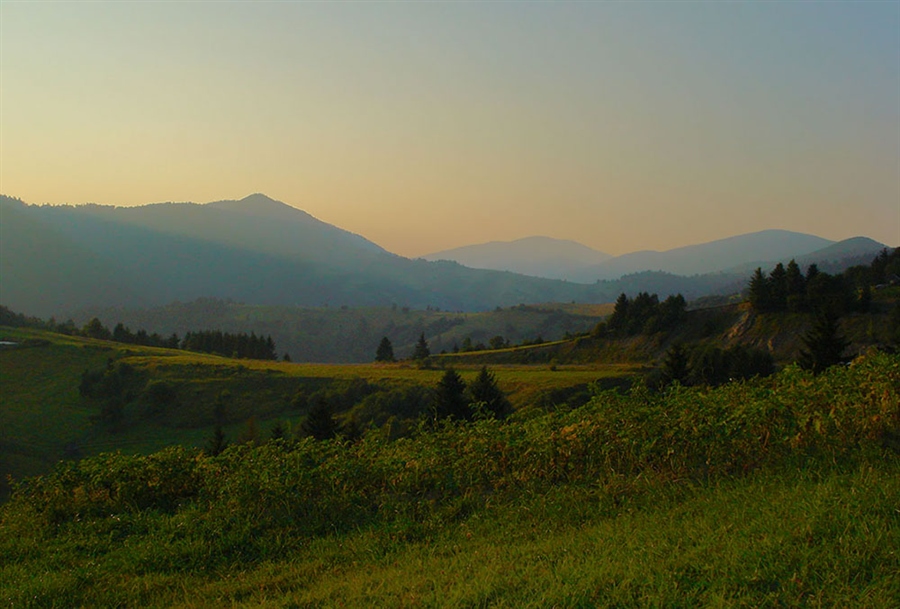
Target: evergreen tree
{"x": 278, "y": 432}
{"x": 385, "y": 351}
{"x": 484, "y": 390}
{"x": 95, "y": 329}
{"x": 217, "y": 442}
{"x": 675, "y": 365}
{"x": 759, "y": 292}
{"x": 450, "y": 397}
{"x": 811, "y": 272}
{"x": 829, "y": 294}
{"x": 320, "y": 423}
{"x": 879, "y": 266}
{"x": 778, "y": 288}
{"x": 796, "y": 287}
{"x": 619, "y": 317}
{"x": 421, "y": 351}
{"x": 823, "y": 344}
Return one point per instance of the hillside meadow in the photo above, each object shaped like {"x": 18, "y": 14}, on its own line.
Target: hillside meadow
{"x": 771, "y": 492}
{"x": 175, "y": 397}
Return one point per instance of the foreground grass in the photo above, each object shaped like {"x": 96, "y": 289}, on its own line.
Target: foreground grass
{"x": 790, "y": 540}
{"x": 779, "y": 539}
{"x": 777, "y": 492}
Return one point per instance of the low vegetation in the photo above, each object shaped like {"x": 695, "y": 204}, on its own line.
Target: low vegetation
{"x": 767, "y": 492}
{"x": 72, "y": 396}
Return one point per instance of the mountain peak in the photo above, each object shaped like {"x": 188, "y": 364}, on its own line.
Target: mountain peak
{"x": 257, "y": 204}
{"x": 258, "y": 198}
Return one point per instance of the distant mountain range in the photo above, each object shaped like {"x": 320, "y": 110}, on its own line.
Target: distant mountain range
{"x": 543, "y": 257}
{"x": 55, "y": 260}
{"x": 536, "y": 256}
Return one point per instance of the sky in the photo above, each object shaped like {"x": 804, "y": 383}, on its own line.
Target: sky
{"x": 430, "y": 125}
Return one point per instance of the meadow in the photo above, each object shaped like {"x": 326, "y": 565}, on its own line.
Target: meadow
{"x": 44, "y": 418}
{"x": 771, "y": 492}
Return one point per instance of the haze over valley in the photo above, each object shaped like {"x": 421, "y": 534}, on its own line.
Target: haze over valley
{"x": 59, "y": 260}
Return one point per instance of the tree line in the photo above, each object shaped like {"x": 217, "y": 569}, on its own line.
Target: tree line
{"x": 239, "y": 345}
{"x": 786, "y": 288}
{"x": 643, "y": 314}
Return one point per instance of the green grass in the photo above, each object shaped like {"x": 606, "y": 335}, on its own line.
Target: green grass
{"x": 794, "y": 539}
{"x": 44, "y": 419}
{"x": 774, "y": 492}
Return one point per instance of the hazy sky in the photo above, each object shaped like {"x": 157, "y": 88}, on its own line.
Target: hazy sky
{"x": 424, "y": 126}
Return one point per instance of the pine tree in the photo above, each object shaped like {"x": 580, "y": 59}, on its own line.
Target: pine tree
{"x": 675, "y": 365}
{"x": 421, "y": 351}
{"x": 320, "y": 423}
{"x": 385, "y": 351}
{"x": 619, "y": 317}
{"x": 778, "y": 288}
{"x": 823, "y": 344}
{"x": 759, "y": 292}
{"x": 450, "y": 397}
{"x": 484, "y": 390}
{"x": 277, "y": 432}
{"x": 796, "y": 287}
{"x": 217, "y": 442}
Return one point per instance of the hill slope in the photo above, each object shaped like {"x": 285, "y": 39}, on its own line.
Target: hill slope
{"x": 536, "y": 256}
{"x": 58, "y": 260}
{"x": 255, "y": 250}
{"x": 712, "y": 257}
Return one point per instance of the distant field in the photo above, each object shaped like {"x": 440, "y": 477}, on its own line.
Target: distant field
{"x": 352, "y": 334}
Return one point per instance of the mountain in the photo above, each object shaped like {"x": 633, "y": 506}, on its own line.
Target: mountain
{"x": 536, "y": 256}
{"x": 255, "y": 223}
{"x": 60, "y": 259}
{"x": 838, "y": 256}
{"x": 744, "y": 251}
{"x": 572, "y": 261}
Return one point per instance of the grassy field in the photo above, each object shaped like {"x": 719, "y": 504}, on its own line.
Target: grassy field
{"x": 772, "y": 492}
{"x": 43, "y": 417}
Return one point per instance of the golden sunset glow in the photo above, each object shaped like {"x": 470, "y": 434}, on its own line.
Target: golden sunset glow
{"x": 430, "y": 126}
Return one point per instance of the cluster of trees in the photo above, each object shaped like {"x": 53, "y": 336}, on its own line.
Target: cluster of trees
{"x": 112, "y": 387}
{"x": 421, "y": 352}
{"x": 122, "y": 334}
{"x": 451, "y": 398}
{"x": 644, "y": 314}
{"x": 481, "y": 398}
{"x": 240, "y": 345}
{"x": 92, "y": 329}
{"x": 786, "y": 288}
{"x": 713, "y": 366}
{"x": 495, "y": 342}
